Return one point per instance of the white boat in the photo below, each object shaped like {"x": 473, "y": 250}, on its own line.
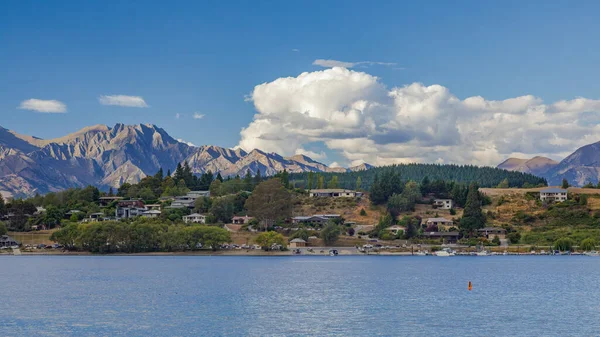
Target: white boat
{"x": 419, "y": 253}
{"x": 592, "y": 253}
{"x": 442, "y": 253}
{"x": 483, "y": 253}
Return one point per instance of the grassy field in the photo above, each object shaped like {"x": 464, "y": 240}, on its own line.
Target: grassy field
{"x": 33, "y": 238}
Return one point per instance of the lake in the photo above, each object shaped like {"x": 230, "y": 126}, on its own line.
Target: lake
{"x": 297, "y": 296}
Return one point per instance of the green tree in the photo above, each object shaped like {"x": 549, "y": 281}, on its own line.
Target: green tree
{"x": 320, "y": 181}
{"x": 496, "y": 240}
{"x": 202, "y": 205}
{"x": 514, "y": 237}
{"x": 215, "y": 188}
{"x": 302, "y": 234}
{"x": 214, "y": 237}
{"x": 267, "y": 239}
{"x": 583, "y": 199}
{"x": 358, "y": 183}
{"x": 363, "y": 212}
{"x": 269, "y": 201}
{"x": 309, "y": 183}
{"x": 3, "y": 229}
{"x": 588, "y": 244}
{"x": 219, "y": 177}
{"x": 563, "y": 244}
{"x": 223, "y": 208}
{"x": 503, "y": 183}
{"x": 330, "y": 233}
{"x": 473, "y": 218}
{"x": 257, "y": 178}
{"x": 52, "y": 217}
{"x": 565, "y": 183}
{"x": 333, "y": 183}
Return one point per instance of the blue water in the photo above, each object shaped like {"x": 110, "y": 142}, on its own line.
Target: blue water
{"x": 297, "y": 296}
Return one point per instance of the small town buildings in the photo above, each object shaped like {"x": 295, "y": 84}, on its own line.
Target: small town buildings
{"x": 396, "y": 229}
{"x": 189, "y": 199}
{"x": 151, "y": 214}
{"x": 310, "y": 220}
{"x": 443, "y": 203}
{"x": 446, "y": 237}
{"x": 153, "y": 207}
{"x": 94, "y": 217}
{"x": 328, "y": 216}
{"x": 195, "y": 218}
{"x": 491, "y": 232}
{"x": 441, "y": 223}
{"x": 105, "y": 201}
{"x": 241, "y": 220}
{"x": 133, "y": 203}
{"x": 553, "y": 194}
{"x": 7, "y": 241}
{"x": 334, "y": 193}
{"x": 129, "y": 212}
{"x": 297, "y": 242}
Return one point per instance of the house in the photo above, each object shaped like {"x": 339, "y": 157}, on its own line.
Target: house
{"x": 334, "y": 193}
{"x": 153, "y": 207}
{"x": 71, "y": 212}
{"x": 446, "y": 237}
{"x": 105, "y": 201}
{"x": 441, "y": 223}
{"x": 311, "y": 220}
{"x": 297, "y": 242}
{"x": 328, "y": 216}
{"x": 151, "y": 214}
{"x": 94, "y": 217}
{"x": 7, "y": 241}
{"x": 443, "y": 203}
{"x": 553, "y": 194}
{"x": 396, "y": 229}
{"x": 195, "y": 218}
{"x": 39, "y": 210}
{"x": 491, "y": 232}
{"x": 133, "y": 203}
{"x": 188, "y": 200}
{"x": 240, "y": 220}
{"x": 129, "y": 212}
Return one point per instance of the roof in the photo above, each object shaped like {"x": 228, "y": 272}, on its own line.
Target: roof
{"x": 110, "y": 198}
{"x": 195, "y": 215}
{"x": 553, "y": 190}
{"x": 440, "y": 233}
{"x": 492, "y": 229}
{"x": 327, "y": 215}
{"x": 396, "y": 227}
{"x": 242, "y": 217}
{"x": 438, "y": 220}
{"x": 331, "y": 190}
{"x": 152, "y": 212}
{"x": 298, "y": 240}
{"x": 442, "y": 199}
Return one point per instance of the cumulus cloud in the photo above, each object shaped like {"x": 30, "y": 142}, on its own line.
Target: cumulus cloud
{"x": 184, "y": 142}
{"x": 295, "y": 50}
{"x": 198, "y": 115}
{"x": 177, "y": 115}
{"x": 354, "y": 114}
{"x": 42, "y": 105}
{"x": 123, "y": 100}
{"x": 334, "y": 63}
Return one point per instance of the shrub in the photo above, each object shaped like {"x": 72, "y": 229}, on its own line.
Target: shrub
{"x": 452, "y": 211}
{"x": 496, "y": 241}
{"x": 588, "y": 244}
{"x": 363, "y": 212}
{"x": 563, "y": 244}
{"x": 514, "y": 237}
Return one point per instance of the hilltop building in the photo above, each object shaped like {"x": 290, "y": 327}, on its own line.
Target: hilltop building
{"x": 553, "y": 194}
{"x": 334, "y": 193}
{"x": 443, "y": 203}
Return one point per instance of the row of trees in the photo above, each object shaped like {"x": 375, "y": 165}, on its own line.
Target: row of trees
{"x": 465, "y": 174}
{"x": 142, "y": 235}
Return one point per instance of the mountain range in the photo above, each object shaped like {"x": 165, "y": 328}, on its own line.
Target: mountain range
{"x": 110, "y": 156}
{"x": 579, "y": 168}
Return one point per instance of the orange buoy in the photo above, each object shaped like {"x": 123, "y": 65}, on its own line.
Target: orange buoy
{"x": 470, "y": 286}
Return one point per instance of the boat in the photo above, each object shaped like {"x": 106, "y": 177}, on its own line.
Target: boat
{"x": 333, "y": 252}
{"x": 483, "y": 253}
{"x": 420, "y": 253}
{"x": 592, "y": 253}
{"x": 445, "y": 252}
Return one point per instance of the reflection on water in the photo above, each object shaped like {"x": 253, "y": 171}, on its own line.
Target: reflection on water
{"x": 296, "y": 296}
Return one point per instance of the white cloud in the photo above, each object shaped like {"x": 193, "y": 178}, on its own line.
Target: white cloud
{"x": 123, "y": 100}
{"x": 41, "y": 105}
{"x": 177, "y": 115}
{"x": 184, "y": 142}
{"x": 334, "y": 63}
{"x": 353, "y": 113}
{"x": 311, "y": 154}
{"x": 198, "y": 115}
{"x": 295, "y": 50}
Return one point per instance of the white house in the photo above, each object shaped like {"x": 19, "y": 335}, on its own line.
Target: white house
{"x": 334, "y": 193}
{"x": 195, "y": 218}
{"x": 151, "y": 214}
{"x": 443, "y": 203}
{"x": 189, "y": 199}
{"x": 553, "y": 194}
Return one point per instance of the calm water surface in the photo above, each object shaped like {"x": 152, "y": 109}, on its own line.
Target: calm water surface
{"x": 297, "y": 296}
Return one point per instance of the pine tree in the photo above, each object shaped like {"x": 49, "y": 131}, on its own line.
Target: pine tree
{"x": 257, "y": 178}
{"x": 178, "y": 173}
{"x": 358, "y": 183}
{"x": 110, "y": 192}
{"x": 248, "y": 181}
{"x": 159, "y": 175}
{"x": 320, "y": 181}
{"x": 333, "y": 183}
{"x": 2, "y": 205}
{"x": 565, "y": 183}
{"x": 310, "y": 180}
{"x": 168, "y": 172}
{"x": 473, "y": 218}
{"x": 219, "y": 177}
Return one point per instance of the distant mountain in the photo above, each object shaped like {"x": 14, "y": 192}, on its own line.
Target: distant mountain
{"x": 579, "y": 168}
{"x": 110, "y": 156}
{"x": 536, "y": 165}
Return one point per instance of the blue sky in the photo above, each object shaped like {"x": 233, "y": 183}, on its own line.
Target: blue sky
{"x": 204, "y": 57}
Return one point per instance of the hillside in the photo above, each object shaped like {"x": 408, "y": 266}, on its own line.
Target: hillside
{"x": 537, "y": 165}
